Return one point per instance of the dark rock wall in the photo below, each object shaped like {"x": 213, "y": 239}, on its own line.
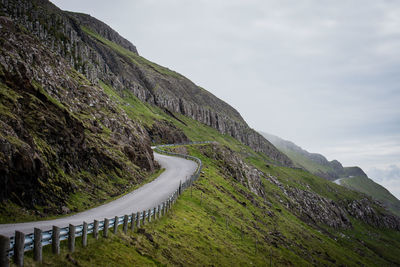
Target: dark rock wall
{"x": 58, "y": 133}
{"x": 61, "y": 32}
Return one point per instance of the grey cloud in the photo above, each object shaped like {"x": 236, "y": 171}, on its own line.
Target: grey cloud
{"x": 390, "y": 173}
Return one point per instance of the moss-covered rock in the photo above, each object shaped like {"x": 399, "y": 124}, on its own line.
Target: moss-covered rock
{"x": 60, "y": 136}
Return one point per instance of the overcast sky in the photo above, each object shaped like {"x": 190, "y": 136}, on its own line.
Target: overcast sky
{"x": 323, "y": 74}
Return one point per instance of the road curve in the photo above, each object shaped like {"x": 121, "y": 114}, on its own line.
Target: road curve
{"x": 143, "y": 198}
{"x": 338, "y": 181}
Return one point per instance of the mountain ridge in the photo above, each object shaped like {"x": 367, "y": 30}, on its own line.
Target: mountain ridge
{"x": 78, "y": 38}
{"x": 351, "y": 177}
{"x": 333, "y": 169}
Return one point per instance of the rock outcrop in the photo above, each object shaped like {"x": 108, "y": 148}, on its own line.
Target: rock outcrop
{"x": 84, "y": 42}
{"x": 232, "y": 165}
{"x": 164, "y": 132}
{"x": 366, "y": 211}
{"x": 59, "y": 134}
{"x": 307, "y": 205}
{"x": 311, "y": 207}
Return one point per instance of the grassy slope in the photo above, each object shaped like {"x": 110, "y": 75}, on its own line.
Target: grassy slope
{"x": 360, "y": 184}
{"x": 138, "y": 60}
{"x": 302, "y": 161}
{"x": 369, "y": 187}
{"x": 205, "y": 228}
{"x": 106, "y": 190}
{"x": 196, "y": 131}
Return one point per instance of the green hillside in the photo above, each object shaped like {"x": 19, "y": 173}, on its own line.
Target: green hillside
{"x": 302, "y": 161}
{"x": 79, "y": 111}
{"x": 369, "y": 187}
{"x": 220, "y": 222}
{"x": 351, "y": 177}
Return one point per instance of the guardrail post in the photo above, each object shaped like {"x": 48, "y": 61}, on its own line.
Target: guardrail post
{"x": 84, "y": 234}
{"x": 96, "y": 229}
{"x": 106, "y": 225}
{"x": 159, "y": 211}
{"x": 37, "y": 245}
{"x": 71, "y": 238}
{"x": 116, "y": 220}
{"x": 154, "y": 213}
{"x": 133, "y": 216}
{"x": 149, "y": 215}
{"x": 125, "y": 227}
{"x": 180, "y": 187}
{"x": 19, "y": 248}
{"x": 4, "y": 247}
{"x": 144, "y": 218}
{"x": 55, "y": 244}
{"x": 138, "y": 220}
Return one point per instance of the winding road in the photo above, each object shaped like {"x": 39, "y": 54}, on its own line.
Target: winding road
{"x": 143, "y": 198}
{"x": 337, "y": 181}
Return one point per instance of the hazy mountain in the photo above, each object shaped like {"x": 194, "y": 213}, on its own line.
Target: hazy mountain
{"x": 351, "y": 177}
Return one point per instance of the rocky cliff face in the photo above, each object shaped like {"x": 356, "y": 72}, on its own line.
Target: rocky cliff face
{"x": 164, "y": 132}
{"x": 60, "y": 135}
{"x": 232, "y": 165}
{"x": 99, "y": 53}
{"x": 309, "y": 206}
{"x": 365, "y": 211}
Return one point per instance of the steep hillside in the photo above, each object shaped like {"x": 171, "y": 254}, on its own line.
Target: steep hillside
{"x": 63, "y": 142}
{"x": 313, "y": 162}
{"x": 79, "y": 109}
{"x": 239, "y": 215}
{"x": 100, "y": 54}
{"x": 369, "y": 187}
{"x": 75, "y": 130}
{"x": 351, "y": 177}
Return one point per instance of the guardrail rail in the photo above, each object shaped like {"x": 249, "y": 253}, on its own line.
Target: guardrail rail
{"x": 18, "y": 244}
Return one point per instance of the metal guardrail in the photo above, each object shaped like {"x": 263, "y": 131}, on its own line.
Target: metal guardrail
{"x": 48, "y": 237}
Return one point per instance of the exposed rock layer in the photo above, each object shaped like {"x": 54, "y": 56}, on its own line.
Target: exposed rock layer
{"x": 59, "y": 135}
{"x": 309, "y": 206}
{"x": 63, "y": 34}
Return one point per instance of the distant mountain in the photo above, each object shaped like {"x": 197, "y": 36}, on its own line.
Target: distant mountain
{"x": 313, "y": 162}
{"x": 350, "y": 177}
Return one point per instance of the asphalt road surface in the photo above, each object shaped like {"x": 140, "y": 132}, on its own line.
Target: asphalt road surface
{"x": 143, "y": 198}
{"x": 338, "y": 181}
